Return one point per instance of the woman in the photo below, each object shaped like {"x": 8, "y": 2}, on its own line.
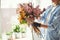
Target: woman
{"x": 51, "y": 19}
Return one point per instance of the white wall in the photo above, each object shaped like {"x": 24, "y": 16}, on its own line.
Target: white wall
{"x": 12, "y": 3}
{"x": 0, "y": 18}
{"x": 45, "y": 3}
{"x": 6, "y": 15}
{"x": 0, "y": 22}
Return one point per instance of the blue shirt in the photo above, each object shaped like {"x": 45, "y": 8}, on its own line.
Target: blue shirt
{"x": 53, "y": 32}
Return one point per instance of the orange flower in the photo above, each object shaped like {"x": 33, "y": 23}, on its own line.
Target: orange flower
{"x": 21, "y": 14}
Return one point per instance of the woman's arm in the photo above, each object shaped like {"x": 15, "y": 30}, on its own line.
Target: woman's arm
{"x": 44, "y": 26}
{"x": 35, "y": 24}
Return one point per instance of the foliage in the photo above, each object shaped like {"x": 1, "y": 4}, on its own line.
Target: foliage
{"x": 9, "y": 33}
{"x": 17, "y": 29}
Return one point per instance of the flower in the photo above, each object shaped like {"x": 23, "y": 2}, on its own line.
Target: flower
{"x": 27, "y": 11}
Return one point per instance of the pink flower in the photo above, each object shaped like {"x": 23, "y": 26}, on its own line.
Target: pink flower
{"x": 30, "y": 11}
{"x": 37, "y": 11}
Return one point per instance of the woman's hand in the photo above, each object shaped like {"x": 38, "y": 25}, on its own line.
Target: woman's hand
{"x": 35, "y": 24}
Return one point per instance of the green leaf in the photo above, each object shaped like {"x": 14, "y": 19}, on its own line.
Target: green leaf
{"x": 17, "y": 28}
{"x": 23, "y": 22}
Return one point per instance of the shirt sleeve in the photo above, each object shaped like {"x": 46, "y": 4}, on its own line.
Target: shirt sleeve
{"x": 43, "y": 15}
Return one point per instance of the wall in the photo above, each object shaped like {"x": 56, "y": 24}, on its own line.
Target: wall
{"x": 6, "y": 15}
{"x": 0, "y": 18}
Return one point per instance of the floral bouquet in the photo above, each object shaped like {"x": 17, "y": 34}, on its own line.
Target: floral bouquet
{"x": 27, "y": 11}
{"x": 27, "y": 14}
